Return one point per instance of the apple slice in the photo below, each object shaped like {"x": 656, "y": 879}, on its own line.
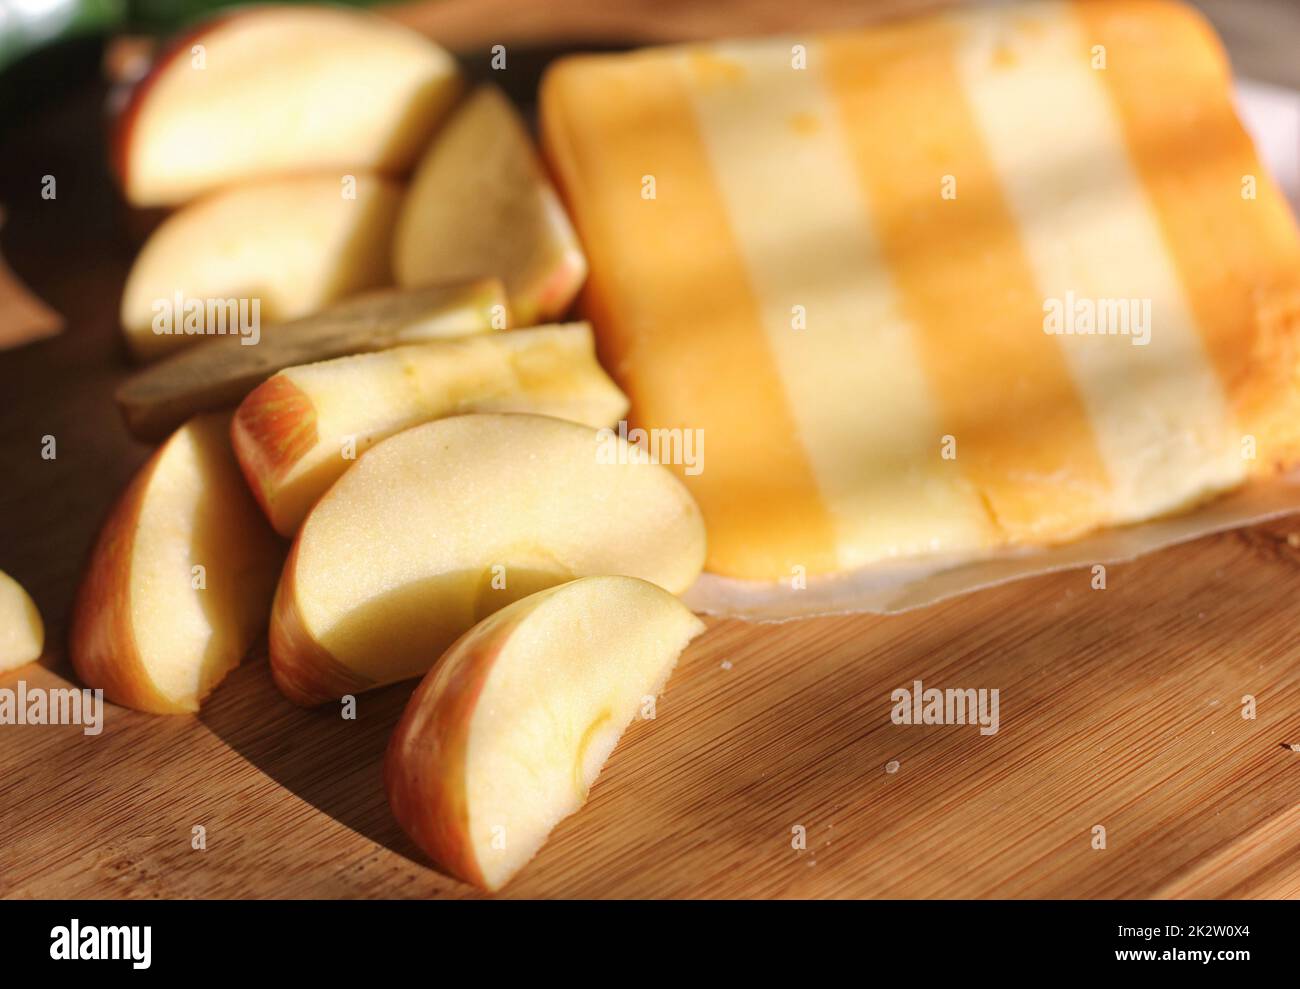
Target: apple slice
{"x": 297, "y": 432}
{"x": 505, "y": 736}
{"x": 180, "y": 579}
{"x": 445, "y": 523}
{"x": 22, "y": 633}
{"x": 481, "y": 204}
{"x": 291, "y": 245}
{"x": 218, "y": 372}
{"x": 278, "y": 90}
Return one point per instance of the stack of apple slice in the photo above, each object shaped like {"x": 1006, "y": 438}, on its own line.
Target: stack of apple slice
{"x": 288, "y": 162}
{"x": 449, "y": 488}
{"x": 443, "y": 524}
{"x": 282, "y": 157}
{"x": 483, "y": 535}
{"x": 476, "y": 527}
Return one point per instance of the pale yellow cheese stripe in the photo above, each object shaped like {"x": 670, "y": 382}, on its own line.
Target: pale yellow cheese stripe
{"x": 954, "y": 249}
{"x": 1158, "y": 411}
{"x": 853, "y": 376}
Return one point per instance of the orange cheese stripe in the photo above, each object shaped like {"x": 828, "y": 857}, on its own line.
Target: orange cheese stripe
{"x": 1238, "y": 258}
{"x": 1000, "y": 383}
{"x": 696, "y": 341}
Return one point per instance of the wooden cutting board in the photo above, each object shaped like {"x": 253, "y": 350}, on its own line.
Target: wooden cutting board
{"x": 1119, "y": 708}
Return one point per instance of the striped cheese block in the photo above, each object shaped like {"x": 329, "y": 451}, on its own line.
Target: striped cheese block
{"x": 979, "y": 280}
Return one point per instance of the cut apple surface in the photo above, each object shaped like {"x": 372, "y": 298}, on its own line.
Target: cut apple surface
{"x": 22, "y": 633}
{"x": 276, "y": 90}
{"x": 180, "y": 580}
{"x": 297, "y": 432}
{"x": 480, "y": 203}
{"x": 505, "y": 736}
{"x": 217, "y": 372}
{"x": 289, "y": 245}
{"x": 435, "y": 528}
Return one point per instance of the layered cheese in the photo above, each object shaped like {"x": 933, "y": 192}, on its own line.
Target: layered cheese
{"x": 984, "y": 279}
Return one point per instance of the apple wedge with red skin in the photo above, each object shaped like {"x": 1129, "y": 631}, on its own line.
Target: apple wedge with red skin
{"x": 481, "y": 203}
{"x": 155, "y": 633}
{"x": 294, "y": 245}
{"x": 505, "y": 736}
{"x": 300, "y": 430}
{"x": 22, "y": 633}
{"x": 437, "y": 527}
{"x": 280, "y": 90}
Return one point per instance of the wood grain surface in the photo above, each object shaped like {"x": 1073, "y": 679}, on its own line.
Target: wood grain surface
{"x": 1120, "y": 708}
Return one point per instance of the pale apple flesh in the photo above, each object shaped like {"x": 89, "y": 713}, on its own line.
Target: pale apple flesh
{"x": 506, "y": 735}
{"x": 217, "y": 372}
{"x": 439, "y": 526}
{"x": 291, "y": 245}
{"x": 298, "y": 432}
{"x": 481, "y": 203}
{"x": 281, "y": 90}
{"x": 179, "y": 580}
{"x": 22, "y": 633}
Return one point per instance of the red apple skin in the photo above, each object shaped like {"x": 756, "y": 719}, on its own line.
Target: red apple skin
{"x": 273, "y": 428}
{"x": 102, "y": 643}
{"x": 306, "y": 673}
{"x": 555, "y": 296}
{"x": 424, "y": 767}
